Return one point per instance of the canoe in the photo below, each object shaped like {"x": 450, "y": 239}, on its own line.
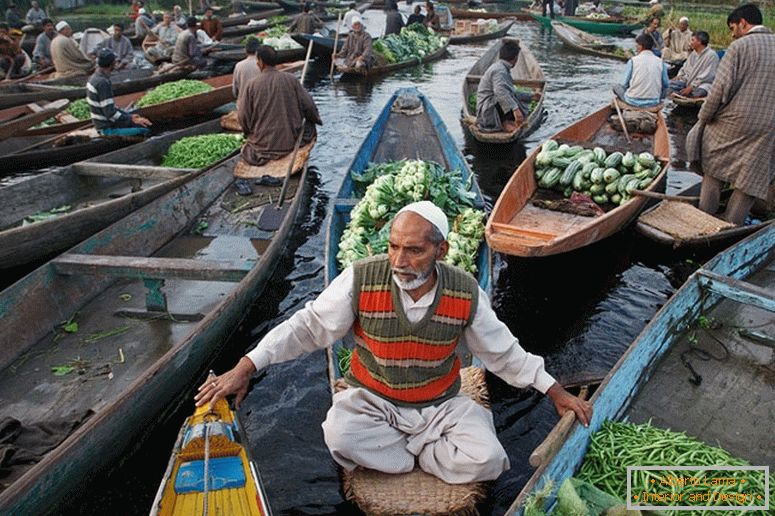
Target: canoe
{"x": 295, "y": 7}
{"x": 612, "y": 28}
{"x": 733, "y": 288}
{"x": 519, "y": 228}
{"x": 580, "y": 41}
{"x": 18, "y": 119}
{"x": 268, "y": 11}
{"x": 34, "y": 92}
{"x": 139, "y": 348}
{"x": 249, "y": 5}
{"x": 471, "y": 14}
{"x": 96, "y": 200}
{"x": 283, "y": 56}
{"x": 212, "y": 440}
{"x": 348, "y": 72}
{"x": 526, "y": 73}
{"x": 499, "y": 32}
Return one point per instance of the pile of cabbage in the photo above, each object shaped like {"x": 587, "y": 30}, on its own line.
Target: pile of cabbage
{"x": 388, "y": 187}
{"x": 415, "y": 42}
{"x": 276, "y": 37}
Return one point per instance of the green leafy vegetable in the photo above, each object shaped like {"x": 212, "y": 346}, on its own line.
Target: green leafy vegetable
{"x": 172, "y": 91}
{"x": 201, "y": 151}
{"x": 414, "y": 42}
{"x": 62, "y": 370}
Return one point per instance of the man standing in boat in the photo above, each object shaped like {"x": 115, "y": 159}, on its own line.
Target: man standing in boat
{"x": 696, "y": 76}
{"x": 356, "y": 51}
{"x": 107, "y": 118}
{"x": 402, "y": 405}
{"x": 733, "y": 140}
{"x": 499, "y": 108}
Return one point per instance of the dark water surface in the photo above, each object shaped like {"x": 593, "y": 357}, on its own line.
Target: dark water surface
{"x": 579, "y": 310}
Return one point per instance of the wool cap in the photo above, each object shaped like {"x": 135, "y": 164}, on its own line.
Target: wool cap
{"x": 431, "y": 213}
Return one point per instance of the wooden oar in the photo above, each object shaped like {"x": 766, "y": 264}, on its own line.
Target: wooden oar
{"x": 554, "y": 440}
{"x": 336, "y": 43}
{"x": 621, "y": 119}
{"x": 666, "y": 197}
{"x": 306, "y": 62}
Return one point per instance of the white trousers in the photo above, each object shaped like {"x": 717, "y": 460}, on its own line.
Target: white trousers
{"x": 454, "y": 441}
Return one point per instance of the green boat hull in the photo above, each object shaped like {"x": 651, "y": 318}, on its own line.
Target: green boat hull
{"x": 595, "y": 27}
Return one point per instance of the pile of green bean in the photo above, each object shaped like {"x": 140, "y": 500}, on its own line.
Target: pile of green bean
{"x": 618, "y": 445}
{"x": 173, "y": 90}
{"x": 201, "y": 151}
{"x": 79, "y": 109}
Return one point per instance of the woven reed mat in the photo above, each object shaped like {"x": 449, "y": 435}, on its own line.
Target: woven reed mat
{"x": 417, "y": 492}
{"x": 496, "y": 137}
{"x": 276, "y": 168}
{"x": 683, "y": 221}
{"x": 230, "y": 122}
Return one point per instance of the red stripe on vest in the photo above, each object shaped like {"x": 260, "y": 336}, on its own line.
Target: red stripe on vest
{"x": 404, "y": 349}
{"x": 410, "y": 395}
{"x": 454, "y": 307}
{"x": 376, "y": 301}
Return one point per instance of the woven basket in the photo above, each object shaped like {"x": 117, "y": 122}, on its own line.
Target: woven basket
{"x": 683, "y": 221}
{"x": 417, "y": 492}
{"x": 275, "y": 168}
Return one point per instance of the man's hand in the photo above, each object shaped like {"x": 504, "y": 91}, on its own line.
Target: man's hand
{"x": 234, "y": 381}
{"x": 686, "y": 91}
{"x": 141, "y": 121}
{"x": 565, "y": 401}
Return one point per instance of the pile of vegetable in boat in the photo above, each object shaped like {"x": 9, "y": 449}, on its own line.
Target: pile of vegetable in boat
{"x": 388, "y": 187}
{"x": 172, "y": 91}
{"x": 604, "y": 177}
{"x": 276, "y": 37}
{"x": 201, "y": 151}
{"x": 472, "y": 98}
{"x": 414, "y": 42}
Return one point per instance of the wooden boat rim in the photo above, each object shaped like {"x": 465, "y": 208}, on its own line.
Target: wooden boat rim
{"x": 561, "y": 28}
{"x": 382, "y": 69}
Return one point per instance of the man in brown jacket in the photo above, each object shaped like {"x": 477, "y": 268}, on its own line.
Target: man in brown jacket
{"x": 212, "y": 25}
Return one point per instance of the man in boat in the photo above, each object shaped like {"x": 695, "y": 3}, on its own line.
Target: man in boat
{"x": 212, "y": 25}
{"x": 143, "y": 23}
{"x": 121, "y": 47}
{"x": 187, "y": 49}
{"x": 11, "y": 55}
{"x": 652, "y": 31}
{"x": 41, "y": 54}
{"x": 404, "y": 408}
{"x": 272, "y": 109}
{"x": 178, "y": 16}
{"x": 393, "y": 20}
{"x": 416, "y": 17}
{"x": 499, "y": 108}
{"x": 645, "y": 77}
{"x": 247, "y": 69}
{"x": 66, "y": 55}
{"x": 107, "y": 118}
{"x": 432, "y": 20}
{"x": 357, "y": 49}
{"x": 166, "y": 34}
{"x": 36, "y": 16}
{"x": 678, "y": 42}
{"x": 12, "y": 17}
{"x": 735, "y": 124}
{"x": 696, "y": 75}
{"x": 305, "y": 22}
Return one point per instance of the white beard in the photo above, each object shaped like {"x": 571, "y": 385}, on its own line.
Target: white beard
{"x": 416, "y": 283}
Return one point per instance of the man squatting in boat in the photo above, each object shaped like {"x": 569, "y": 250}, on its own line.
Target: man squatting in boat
{"x": 403, "y": 402}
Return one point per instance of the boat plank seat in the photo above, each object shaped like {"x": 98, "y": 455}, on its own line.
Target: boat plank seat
{"x": 736, "y": 290}
{"x": 524, "y": 232}
{"x": 220, "y": 446}
{"x": 129, "y": 171}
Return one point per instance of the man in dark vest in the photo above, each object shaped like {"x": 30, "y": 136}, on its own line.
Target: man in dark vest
{"x": 407, "y": 310}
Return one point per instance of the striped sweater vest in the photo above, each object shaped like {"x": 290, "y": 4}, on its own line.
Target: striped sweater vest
{"x": 409, "y": 364}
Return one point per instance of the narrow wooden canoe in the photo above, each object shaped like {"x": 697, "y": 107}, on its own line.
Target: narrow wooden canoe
{"x": 612, "y": 28}
{"x": 519, "y": 228}
{"x": 348, "y": 72}
{"x": 579, "y": 40}
{"x": 201, "y": 243}
{"x": 249, "y": 5}
{"x": 96, "y": 200}
{"x": 270, "y": 9}
{"x": 283, "y": 56}
{"x": 526, "y": 73}
{"x": 734, "y": 283}
{"x": 500, "y": 31}
{"x": 18, "y": 119}
{"x": 211, "y": 442}
{"x": 471, "y": 14}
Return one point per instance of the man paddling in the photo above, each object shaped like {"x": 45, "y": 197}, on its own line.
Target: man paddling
{"x": 403, "y": 404}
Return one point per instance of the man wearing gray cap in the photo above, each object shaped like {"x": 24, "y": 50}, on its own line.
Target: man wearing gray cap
{"x": 107, "y": 118}
{"x": 407, "y": 310}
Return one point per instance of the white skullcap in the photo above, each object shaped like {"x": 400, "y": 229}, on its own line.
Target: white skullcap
{"x": 652, "y": 2}
{"x": 356, "y": 19}
{"x": 431, "y": 213}
{"x": 683, "y": 19}
{"x": 61, "y": 25}
{"x": 142, "y": 10}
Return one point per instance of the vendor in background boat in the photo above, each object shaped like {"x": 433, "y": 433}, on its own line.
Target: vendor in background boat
{"x": 121, "y": 47}
{"x": 12, "y": 57}
{"x": 66, "y": 54}
{"x": 499, "y": 108}
{"x": 393, "y": 20}
{"x": 178, "y": 17}
{"x": 272, "y": 109}
{"x": 416, "y": 17}
{"x": 247, "y": 69}
{"x": 187, "y": 49}
{"x": 652, "y": 31}
{"x": 305, "y": 22}
{"x": 645, "y": 77}
{"x": 678, "y": 42}
{"x": 357, "y": 49}
{"x": 107, "y": 118}
{"x": 403, "y": 406}
{"x": 733, "y": 140}
{"x": 166, "y": 34}
{"x": 36, "y": 16}
{"x": 432, "y": 19}
{"x": 696, "y": 75}
{"x": 13, "y": 18}
{"x": 212, "y": 25}
{"x": 144, "y": 23}
{"x": 41, "y": 54}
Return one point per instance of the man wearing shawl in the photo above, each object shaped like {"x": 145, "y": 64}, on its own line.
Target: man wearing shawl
{"x": 696, "y": 75}
{"x": 499, "y": 108}
{"x": 677, "y": 42}
{"x": 356, "y": 51}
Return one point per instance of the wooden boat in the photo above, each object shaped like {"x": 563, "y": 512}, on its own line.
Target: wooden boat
{"x": 381, "y": 69}
{"x": 526, "y": 73}
{"x": 519, "y": 228}
{"x": 34, "y": 92}
{"x": 250, "y": 5}
{"x": 500, "y": 31}
{"x": 202, "y": 244}
{"x": 322, "y": 46}
{"x": 283, "y": 56}
{"x": 428, "y": 140}
{"x": 581, "y": 41}
{"x": 734, "y": 283}
{"x": 268, "y": 11}
{"x": 611, "y": 27}
{"x": 473, "y": 14}
{"x": 96, "y": 198}
{"x": 18, "y": 119}
{"x": 687, "y": 102}
{"x": 295, "y": 7}
{"x": 211, "y": 442}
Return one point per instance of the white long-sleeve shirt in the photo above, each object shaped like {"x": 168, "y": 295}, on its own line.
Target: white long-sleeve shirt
{"x": 329, "y": 317}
